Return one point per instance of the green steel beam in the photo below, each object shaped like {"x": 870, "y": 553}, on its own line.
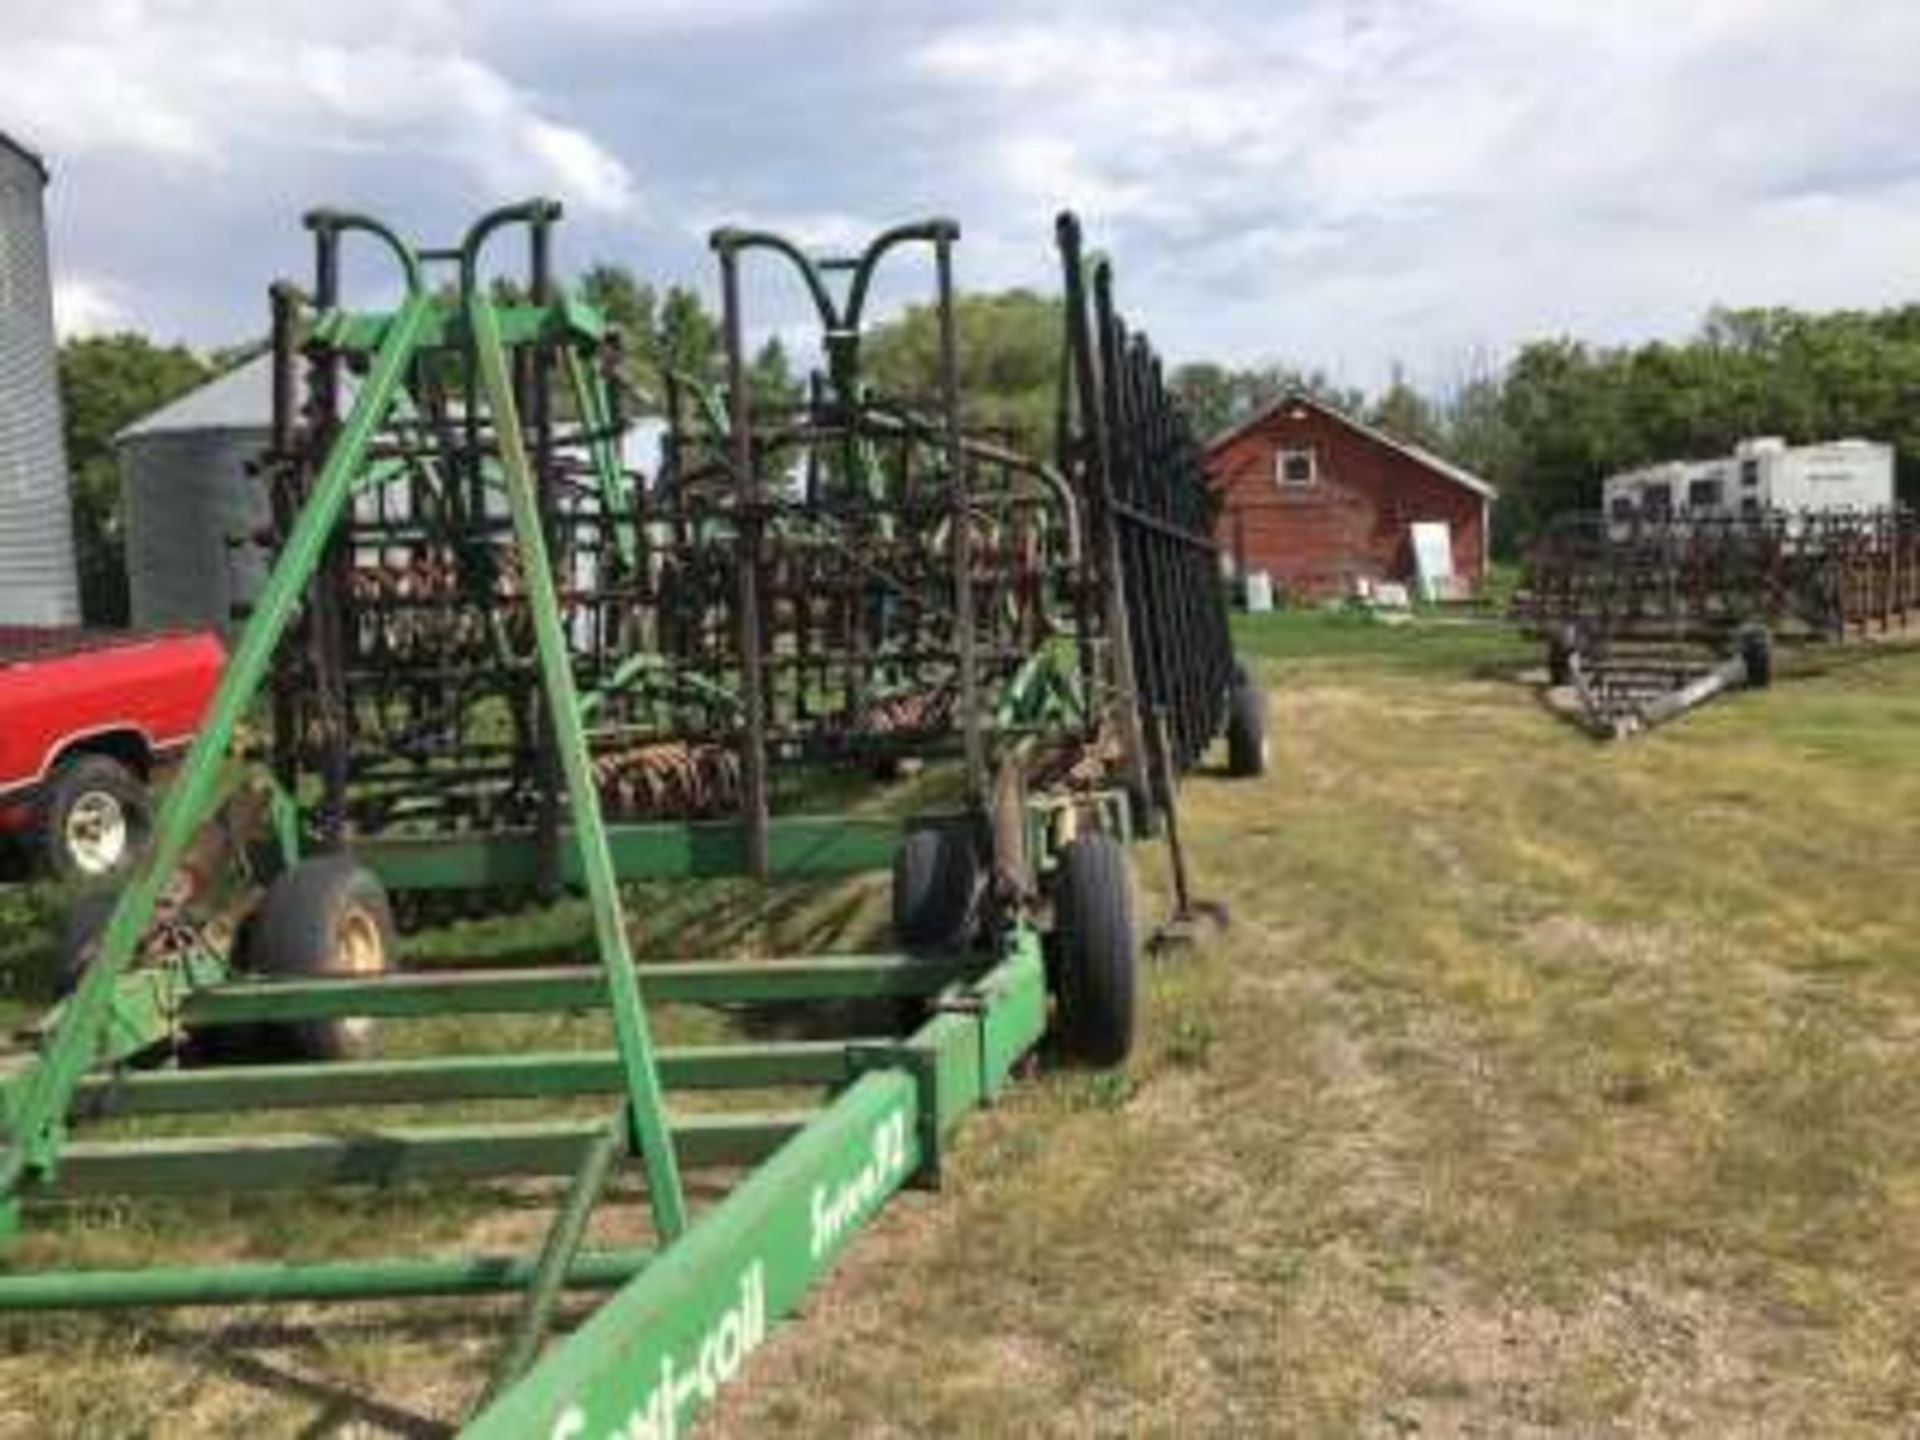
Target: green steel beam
{"x": 656, "y": 1353}
{"x": 546, "y": 1075}
{"x": 340, "y": 1280}
{"x": 39, "y": 1113}
{"x": 424, "y": 994}
{"x": 799, "y": 847}
{"x": 396, "y": 1156}
{"x": 564, "y": 1236}
{"x": 646, "y": 1103}
{"x": 364, "y": 332}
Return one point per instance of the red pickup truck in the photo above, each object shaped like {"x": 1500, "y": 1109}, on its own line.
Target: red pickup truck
{"x": 86, "y": 717}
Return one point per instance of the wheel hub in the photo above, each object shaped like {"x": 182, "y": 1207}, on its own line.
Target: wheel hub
{"x": 359, "y": 948}
{"x": 96, "y": 833}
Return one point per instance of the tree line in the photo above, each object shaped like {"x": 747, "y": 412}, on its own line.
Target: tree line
{"x": 1545, "y": 428}
{"x": 1563, "y": 414}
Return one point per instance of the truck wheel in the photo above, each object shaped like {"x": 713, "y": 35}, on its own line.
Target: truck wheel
{"x": 327, "y": 916}
{"x": 1094, "y": 953}
{"x": 1246, "y": 731}
{"x": 936, "y": 882}
{"x": 94, "y": 820}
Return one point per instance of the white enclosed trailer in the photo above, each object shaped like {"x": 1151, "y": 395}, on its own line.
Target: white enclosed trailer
{"x": 1760, "y": 476}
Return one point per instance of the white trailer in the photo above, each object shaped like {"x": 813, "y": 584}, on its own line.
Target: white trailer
{"x": 1760, "y": 476}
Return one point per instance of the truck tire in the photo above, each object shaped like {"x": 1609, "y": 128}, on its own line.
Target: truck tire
{"x": 94, "y": 820}
{"x": 1093, "y": 951}
{"x": 1246, "y": 731}
{"x": 327, "y": 916}
{"x": 936, "y": 887}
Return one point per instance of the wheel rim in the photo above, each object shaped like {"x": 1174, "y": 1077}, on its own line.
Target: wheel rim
{"x": 359, "y": 949}
{"x": 96, "y": 833}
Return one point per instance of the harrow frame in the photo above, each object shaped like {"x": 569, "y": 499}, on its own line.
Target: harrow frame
{"x": 1050, "y": 744}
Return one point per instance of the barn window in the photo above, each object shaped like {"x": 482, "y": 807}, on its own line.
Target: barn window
{"x": 1295, "y": 467}
{"x": 1703, "y": 495}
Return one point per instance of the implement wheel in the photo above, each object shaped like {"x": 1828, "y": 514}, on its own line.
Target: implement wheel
{"x": 327, "y": 916}
{"x": 1756, "y": 649}
{"x": 936, "y": 887}
{"x": 1562, "y": 641}
{"x": 1094, "y": 951}
{"x": 1247, "y": 747}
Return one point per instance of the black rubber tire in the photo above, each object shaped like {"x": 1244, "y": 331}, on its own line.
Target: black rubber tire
{"x": 1094, "y": 952}
{"x": 80, "y": 932}
{"x": 1560, "y": 648}
{"x": 936, "y": 889}
{"x": 91, "y": 780}
{"x": 1756, "y": 648}
{"x": 325, "y": 916}
{"x": 1246, "y": 731}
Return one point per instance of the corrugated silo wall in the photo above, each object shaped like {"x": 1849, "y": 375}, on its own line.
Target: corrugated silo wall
{"x": 37, "y": 581}
{"x": 186, "y": 493}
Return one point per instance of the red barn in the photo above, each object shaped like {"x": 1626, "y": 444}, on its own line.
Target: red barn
{"x": 1319, "y": 501}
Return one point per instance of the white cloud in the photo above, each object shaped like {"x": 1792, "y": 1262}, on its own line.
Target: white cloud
{"x": 227, "y": 89}
{"x": 83, "y": 306}
{"x": 1344, "y": 181}
{"x": 1337, "y": 182}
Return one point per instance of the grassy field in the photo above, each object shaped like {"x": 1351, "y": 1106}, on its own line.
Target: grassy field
{"x": 1539, "y": 1086}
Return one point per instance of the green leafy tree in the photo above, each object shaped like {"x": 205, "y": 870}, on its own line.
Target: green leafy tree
{"x": 106, "y": 383}
{"x": 770, "y": 379}
{"x": 631, "y": 307}
{"x": 687, "y": 338}
{"x": 1009, "y": 357}
{"x": 1206, "y": 390}
{"x": 1406, "y": 414}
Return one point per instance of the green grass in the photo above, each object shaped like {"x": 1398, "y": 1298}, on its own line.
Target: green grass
{"x": 1539, "y": 1086}
{"x": 1356, "y": 639}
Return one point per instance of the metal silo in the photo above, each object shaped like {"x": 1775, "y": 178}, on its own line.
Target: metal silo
{"x": 193, "y": 508}
{"x": 37, "y": 580}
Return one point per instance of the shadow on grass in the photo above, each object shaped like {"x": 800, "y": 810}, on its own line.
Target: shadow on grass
{"x": 340, "y": 1409}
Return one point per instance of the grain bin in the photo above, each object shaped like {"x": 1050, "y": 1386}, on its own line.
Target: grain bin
{"x": 193, "y": 508}
{"x": 38, "y": 585}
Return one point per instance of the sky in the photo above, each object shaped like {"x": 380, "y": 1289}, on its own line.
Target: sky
{"x": 1342, "y": 184}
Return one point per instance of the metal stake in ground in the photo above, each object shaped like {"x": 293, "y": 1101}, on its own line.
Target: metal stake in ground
{"x": 1191, "y": 918}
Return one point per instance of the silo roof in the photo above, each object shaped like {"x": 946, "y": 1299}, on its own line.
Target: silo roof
{"x": 7, "y": 142}
{"x": 241, "y": 399}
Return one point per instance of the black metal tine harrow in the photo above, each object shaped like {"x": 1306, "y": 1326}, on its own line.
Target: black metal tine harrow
{"x": 1649, "y": 615}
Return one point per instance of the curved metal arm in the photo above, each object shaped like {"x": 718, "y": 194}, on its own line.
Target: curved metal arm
{"x": 729, "y": 241}
{"x": 933, "y": 232}
{"x": 536, "y": 214}
{"x": 835, "y": 318}
{"x": 330, "y": 224}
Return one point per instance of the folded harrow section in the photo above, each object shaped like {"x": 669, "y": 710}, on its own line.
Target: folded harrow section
{"x": 495, "y": 660}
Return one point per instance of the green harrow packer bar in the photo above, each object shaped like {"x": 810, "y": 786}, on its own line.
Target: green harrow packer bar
{"x": 481, "y": 632}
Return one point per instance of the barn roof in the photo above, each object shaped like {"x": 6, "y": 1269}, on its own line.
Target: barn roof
{"x": 1444, "y": 468}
